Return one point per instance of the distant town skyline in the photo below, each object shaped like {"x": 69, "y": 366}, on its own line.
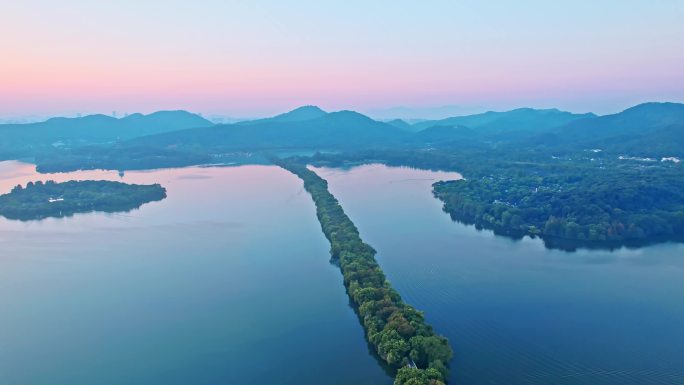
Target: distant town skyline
{"x": 248, "y": 60}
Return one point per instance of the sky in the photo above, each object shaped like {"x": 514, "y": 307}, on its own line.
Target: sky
{"x": 261, "y": 57}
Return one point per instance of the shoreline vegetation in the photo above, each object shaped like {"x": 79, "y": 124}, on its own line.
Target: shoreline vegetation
{"x": 396, "y": 330}
{"x": 573, "y": 180}
{"x": 38, "y": 200}
{"x": 599, "y": 203}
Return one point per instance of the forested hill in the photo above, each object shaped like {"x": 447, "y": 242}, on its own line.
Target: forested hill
{"x": 25, "y": 140}
{"x": 300, "y": 114}
{"x": 494, "y": 128}
{"x": 401, "y": 124}
{"x": 335, "y": 130}
{"x": 522, "y": 119}
{"x": 647, "y": 130}
{"x": 650, "y": 130}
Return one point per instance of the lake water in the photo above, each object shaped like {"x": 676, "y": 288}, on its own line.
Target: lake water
{"x": 227, "y": 281}
{"x": 516, "y": 312}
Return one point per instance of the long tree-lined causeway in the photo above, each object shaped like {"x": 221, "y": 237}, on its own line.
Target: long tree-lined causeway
{"x": 398, "y": 332}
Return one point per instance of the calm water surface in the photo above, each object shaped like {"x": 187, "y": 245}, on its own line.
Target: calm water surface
{"x": 227, "y": 281}
{"x": 516, "y": 312}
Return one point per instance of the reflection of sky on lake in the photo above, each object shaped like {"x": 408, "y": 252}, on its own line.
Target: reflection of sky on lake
{"x": 230, "y": 274}
{"x": 227, "y": 280}
{"x": 515, "y": 311}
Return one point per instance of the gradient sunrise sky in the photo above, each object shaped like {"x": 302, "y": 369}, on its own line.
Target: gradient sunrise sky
{"x": 249, "y": 58}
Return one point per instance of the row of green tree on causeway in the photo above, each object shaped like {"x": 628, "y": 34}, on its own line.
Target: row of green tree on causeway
{"x": 398, "y": 331}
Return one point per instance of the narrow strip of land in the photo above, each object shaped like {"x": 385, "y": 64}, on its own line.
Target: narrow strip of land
{"x": 396, "y": 330}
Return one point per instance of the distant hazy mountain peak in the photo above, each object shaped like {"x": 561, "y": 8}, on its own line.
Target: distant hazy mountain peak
{"x": 172, "y": 112}
{"x": 648, "y": 130}
{"x": 350, "y": 117}
{"x": 87, "y": 118}
{"x": 135, "y": 115}
{"x": 655, "y": 107}
{"x": 300, "y": 114}
{"x": 525, "y": 118}
{"x": 400, "y": 124}
{"x": 99, "y": 128}
{"x": 308, "y": 108}
{"x": 349, "y": 113}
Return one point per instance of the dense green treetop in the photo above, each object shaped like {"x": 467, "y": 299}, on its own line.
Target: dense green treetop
{"x": 398, "y": 331}
{"x": 50, "y": 199}
{"x": 586, "y": 200}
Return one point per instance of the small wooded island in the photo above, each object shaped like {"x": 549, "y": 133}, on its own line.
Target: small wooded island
{"x": 51, "y": 199}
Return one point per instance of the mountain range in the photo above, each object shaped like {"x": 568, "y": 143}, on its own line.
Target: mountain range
{"x": 649, "y": 129}
{"x": 653, "y": 129}
{"x": 26, "y": 139}
{"x": 305, "y": 127}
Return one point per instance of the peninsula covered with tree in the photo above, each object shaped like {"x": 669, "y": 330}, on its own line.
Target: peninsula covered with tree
{"x": 50, "y": 199}
{"x": 597, "y": 182}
